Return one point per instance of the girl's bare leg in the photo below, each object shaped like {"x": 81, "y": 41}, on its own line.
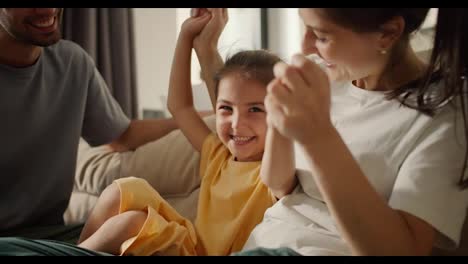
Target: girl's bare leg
{"x": 116, "y": 230}
{"x": 106, "y": 207}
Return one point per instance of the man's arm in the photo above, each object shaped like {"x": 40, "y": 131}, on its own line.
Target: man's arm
{"x": 140, "y": 132}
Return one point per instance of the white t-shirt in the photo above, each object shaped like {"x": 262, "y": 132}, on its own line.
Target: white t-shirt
{"x": 413, "y": 161}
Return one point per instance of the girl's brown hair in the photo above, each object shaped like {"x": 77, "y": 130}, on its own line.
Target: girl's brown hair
{"x": 251, "y": 64}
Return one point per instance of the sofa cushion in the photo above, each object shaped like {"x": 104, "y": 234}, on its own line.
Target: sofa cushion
{"x": 169, "y": 164}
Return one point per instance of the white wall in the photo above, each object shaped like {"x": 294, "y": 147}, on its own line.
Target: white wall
{"x": 242, "y": 31}
{"x": 423, "y": 40}
{"x": 285, "y": 32}
{"x": 155, "y": 38}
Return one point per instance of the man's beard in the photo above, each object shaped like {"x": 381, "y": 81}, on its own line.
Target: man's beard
{"x": 50, "y": 40}
{"x": 43, "y": 40}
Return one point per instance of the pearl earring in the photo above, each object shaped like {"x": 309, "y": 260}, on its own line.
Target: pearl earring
{"x": 383, "y": 52}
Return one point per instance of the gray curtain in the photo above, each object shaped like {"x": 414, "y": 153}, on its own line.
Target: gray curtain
{"x": 107, "y": 35}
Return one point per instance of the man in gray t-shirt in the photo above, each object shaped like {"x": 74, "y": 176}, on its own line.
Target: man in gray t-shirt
{"x": 51, "y": 94}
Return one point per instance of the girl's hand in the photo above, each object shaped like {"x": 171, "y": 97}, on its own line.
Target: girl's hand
{"x": 209, "y": 36}
{"x": 193, "y": 25}
{"x": 298, "y": 100}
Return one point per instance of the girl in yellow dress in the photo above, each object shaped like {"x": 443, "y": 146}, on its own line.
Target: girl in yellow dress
{"x": 244, "y": 168}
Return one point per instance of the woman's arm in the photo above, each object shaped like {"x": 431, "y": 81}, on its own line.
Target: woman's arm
{"x": 367, "y": 223}
{"x": 180, "y": 98}
{"x": 364, "y": 218}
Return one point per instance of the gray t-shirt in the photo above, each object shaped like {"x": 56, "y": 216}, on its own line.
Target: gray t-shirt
{"x": 45, "y": 109}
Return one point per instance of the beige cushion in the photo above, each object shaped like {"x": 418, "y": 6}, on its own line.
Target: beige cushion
{"x": 169, "y": 164}
{"x": 95, "y": 169}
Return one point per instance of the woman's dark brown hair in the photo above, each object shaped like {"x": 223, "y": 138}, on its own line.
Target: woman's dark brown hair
{"x": 251, "y": 64}
{"x": 371, "y": 19}
{"x": 449, "y": 60}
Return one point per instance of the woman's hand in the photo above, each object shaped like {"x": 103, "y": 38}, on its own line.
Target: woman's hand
{"x": 298, "y": 100}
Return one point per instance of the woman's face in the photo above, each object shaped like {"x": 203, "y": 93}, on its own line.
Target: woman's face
{"x": 348, "y": 55}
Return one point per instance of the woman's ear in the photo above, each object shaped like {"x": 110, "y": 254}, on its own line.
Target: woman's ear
{"x": 391, "y": 32}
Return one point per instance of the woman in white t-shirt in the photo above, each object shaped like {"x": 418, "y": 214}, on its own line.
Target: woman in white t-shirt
{"x": 384, "y": 142}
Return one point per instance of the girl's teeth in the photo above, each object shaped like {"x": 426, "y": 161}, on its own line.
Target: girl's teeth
{"x": 242, "y": 138}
